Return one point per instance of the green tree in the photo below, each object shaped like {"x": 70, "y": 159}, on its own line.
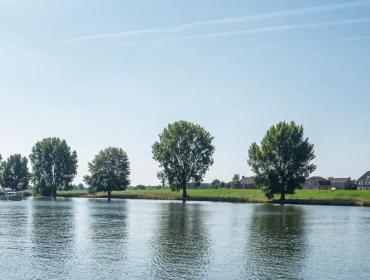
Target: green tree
{"x": 110, "y": 171}
{"x": 54, "y": 166}
{"x": 162, "y": 178}
{"x": 15, "y": 173}
{"x": 282, "y": 161}
{"x": 184, "y": 151}
{"x": 1, "y": 167}
{"x": 216, "y": 184}
{"x": 235, "y": 183}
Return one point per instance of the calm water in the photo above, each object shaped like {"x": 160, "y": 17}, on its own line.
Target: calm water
{"x": 140, "y": 239}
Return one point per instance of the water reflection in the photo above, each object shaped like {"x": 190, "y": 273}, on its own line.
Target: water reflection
{"x": 276, "y": 248}
{"x": 82, "y": 239}
{"x": 52, "y": 236}
{"x": 181, "y": 246}
{"x": 108, "y": 238}
{"x": 13, "y": 231}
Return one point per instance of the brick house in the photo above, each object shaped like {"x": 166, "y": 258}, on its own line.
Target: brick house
{"x": 364, "y": 182}
{"x": 341, "y": 183}
{"x": 317, "y": 183}
{"x": 247, "y": 183}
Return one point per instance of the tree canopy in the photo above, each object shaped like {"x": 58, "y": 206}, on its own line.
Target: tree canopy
{"x": 110, "y": 170}
{"x": 235, "y": 182}
{"x": 283, "y": 160}
{"x": 54, "y": 166}
{"x": 162, "y": 178}
{"x": 184, "y": 151}
{"x": 15, "y": 173}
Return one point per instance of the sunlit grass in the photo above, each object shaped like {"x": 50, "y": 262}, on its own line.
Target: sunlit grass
{"x": 350, "y": 197}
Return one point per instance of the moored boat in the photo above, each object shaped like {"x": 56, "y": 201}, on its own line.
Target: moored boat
{"x": 10, "y": 195}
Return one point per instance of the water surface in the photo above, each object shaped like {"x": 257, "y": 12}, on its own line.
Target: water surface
{"x": 141, "y": 239}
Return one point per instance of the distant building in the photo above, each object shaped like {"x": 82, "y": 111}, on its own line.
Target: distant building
{"x": 364, "y": 182}
{"x": 317, "y": 183}
{"x": 247, "y": 183}
{"x": 198, "y": 185}
{"x": 341, "y": 183}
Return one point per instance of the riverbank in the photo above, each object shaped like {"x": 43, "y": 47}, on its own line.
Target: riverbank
{"x": 310, "y": 197}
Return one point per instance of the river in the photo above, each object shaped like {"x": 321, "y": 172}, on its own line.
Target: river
{"x": 92, "y": 239}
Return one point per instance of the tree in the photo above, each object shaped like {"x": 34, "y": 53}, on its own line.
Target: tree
{"x": 235, "y": 183}
{"x": 79, "y": 186}
{"x": 351, "y": 185}
{"x": 15, "y": 173}
{"x": 1, "y": 167}
{"x": 282, "y": 161}
{"x": 162, "y": 178}
{"x": 110, "y": 171}
{"x": 184, "y": 151}
{"x": 216, "y": 184}
{"x": 54, "y": 166}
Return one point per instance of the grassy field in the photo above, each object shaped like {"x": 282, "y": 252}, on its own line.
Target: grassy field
{"x": 321, "y": 197}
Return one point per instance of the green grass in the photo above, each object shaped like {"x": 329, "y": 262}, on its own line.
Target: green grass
{"x": 327, "y": 197}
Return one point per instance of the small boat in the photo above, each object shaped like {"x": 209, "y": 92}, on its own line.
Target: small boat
{"x": 10, "y": 195}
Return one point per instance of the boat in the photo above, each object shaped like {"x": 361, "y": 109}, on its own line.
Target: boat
{"x": 10, "y": 195}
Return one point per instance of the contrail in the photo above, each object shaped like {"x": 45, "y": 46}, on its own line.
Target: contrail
{"x": 325, "y": 41}
{"x": 278, "y": 28}
{"x": 253, "y": 31}
{"x": 224, "y": 21}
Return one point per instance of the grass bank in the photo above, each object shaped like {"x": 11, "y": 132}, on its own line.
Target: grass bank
{"x": 313, "y": 197}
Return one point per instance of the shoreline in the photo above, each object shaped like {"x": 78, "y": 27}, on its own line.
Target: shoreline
{"x": 220, "y": 198}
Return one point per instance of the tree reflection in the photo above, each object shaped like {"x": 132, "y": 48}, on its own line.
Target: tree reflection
{"x": 72, "y": 240}
{"x": 108, "y": 234}
{"x": 52, "y": 235}
{"x": 276, "y": 247}
{"x": 181, "y": 245}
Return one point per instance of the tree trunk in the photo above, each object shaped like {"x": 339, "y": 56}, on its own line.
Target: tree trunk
{"x": 109, "y": 195}
{"x": 282, "y": 193}
{"x": 184, "y": 194}
{"x": 54, "y": 194}
{"x": 282, "y": 196}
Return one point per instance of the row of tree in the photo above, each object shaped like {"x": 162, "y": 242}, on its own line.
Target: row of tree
{"x": 235, "y": 183}
{"x": 184, "y": 151}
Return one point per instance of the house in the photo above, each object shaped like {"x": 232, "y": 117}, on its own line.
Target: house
{"x": 364, "y": 182}
{"x": 317, "y": 183}
{"x": 247, "y": 183}
{"x": 341, "y": 183}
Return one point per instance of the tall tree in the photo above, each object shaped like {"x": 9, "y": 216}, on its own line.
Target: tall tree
{"x": 283, "y": 160}
{"x": 1, "y": 168}
{"x": 235, "y": 183}
{"x": 15, "y": 173}
{"x": 216, "y": 184}
{"x": 184, "y": 151}
{"x": 54, "y": 166}
{"x": 110, "y": 170}
{"x": 162, "y": 178}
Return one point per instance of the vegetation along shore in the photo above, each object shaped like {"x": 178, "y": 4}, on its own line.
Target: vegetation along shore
{"x": 309, "y": 197}
{"x": 281, "y": 163}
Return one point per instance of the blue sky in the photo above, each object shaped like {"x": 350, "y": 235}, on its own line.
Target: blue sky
{"x": 115, "y": 73}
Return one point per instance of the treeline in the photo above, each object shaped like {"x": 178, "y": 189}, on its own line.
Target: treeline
{"x": 184, "y": 151}
{"x": 235, "y": 183}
